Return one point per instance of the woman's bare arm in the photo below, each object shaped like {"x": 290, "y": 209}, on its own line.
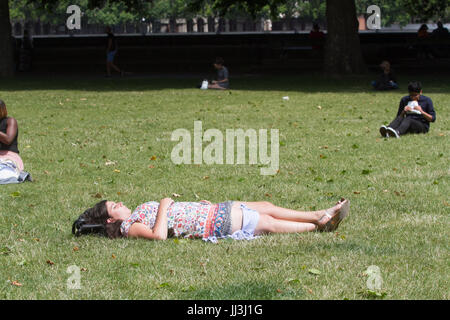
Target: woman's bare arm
{"x": 159, "y": 230}
{"x": 11, "y": 132}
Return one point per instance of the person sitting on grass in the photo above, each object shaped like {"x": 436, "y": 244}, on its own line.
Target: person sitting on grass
{"x": 387, "y": 80}
{"x": 9, "y": 133}
{"x": 222, "y": 81}
{"x": 205, "y": 220}
{"x": 414, "y": 114}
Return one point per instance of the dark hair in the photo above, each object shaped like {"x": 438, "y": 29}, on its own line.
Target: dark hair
{"x": 423, "y": 27}
{"x": 3, "y": 111}
{"x": 94, "y": 220}
{"x": 415, "y": 86}
{"x": 220, "y": 61}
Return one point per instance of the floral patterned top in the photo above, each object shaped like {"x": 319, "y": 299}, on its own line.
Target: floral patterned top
{"x": 186, "y": 219}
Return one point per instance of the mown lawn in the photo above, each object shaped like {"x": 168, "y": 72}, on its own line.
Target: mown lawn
{"x": 87, "y": 139}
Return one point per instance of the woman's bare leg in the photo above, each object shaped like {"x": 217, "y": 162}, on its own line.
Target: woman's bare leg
{"x": 269, "y": 224}
{"x": 274, "y": 219}
{"x": 215, "y": 86}
{"x": 265, "y": 207}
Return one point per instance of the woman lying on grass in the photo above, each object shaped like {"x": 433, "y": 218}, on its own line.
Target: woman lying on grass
{"x": 231, "y": 219}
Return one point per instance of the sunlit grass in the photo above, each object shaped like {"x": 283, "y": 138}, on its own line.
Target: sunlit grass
{"x": 70, "y": 129}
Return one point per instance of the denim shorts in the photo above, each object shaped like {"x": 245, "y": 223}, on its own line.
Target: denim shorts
{"x": 250, "y": 220}
{"x": 110, "y": 56}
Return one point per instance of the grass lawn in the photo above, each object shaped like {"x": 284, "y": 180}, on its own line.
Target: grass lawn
{"x": 86, "y": 139}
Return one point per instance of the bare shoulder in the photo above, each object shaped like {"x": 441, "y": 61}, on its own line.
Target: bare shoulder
{"x": 11, "y": 121}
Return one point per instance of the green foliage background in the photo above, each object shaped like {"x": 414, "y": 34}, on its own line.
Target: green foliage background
{"x": 112, "y": 12}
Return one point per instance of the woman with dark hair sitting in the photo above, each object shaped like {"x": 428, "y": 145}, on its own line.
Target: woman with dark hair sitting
{"x": 8, "y": 138}
{"x": 205, "y": 220}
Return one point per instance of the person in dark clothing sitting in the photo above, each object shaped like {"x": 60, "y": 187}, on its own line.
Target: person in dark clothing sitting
{"x": 8, "y": 137}
{"x": 414, "y": 114}
{"x": 222, "y": 81}
{"x": 387, "y": 80}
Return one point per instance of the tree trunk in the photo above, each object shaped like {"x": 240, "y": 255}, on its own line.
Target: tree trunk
{"x": 6, "y": 50}
{"x": 343, "y": 49}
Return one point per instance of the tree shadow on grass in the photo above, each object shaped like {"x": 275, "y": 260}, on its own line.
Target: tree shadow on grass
{"x": 246, "y": 291}
{"x": 315, "y": 83}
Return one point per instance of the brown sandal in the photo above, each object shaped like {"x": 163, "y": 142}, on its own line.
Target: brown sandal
{"x": 335, "y": 220}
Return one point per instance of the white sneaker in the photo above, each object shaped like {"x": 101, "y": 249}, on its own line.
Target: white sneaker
{"x": 393, "y": 132}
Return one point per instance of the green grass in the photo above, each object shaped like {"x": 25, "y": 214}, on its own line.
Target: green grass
{"x": 70, "y": 127}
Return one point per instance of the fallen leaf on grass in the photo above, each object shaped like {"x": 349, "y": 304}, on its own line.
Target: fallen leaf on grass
{"x": 76, "y": 249}
{"x": 314, "y": 271}
{"x": 97, "y": 195}
{"x": 375, "y": 294}
{"x": 116, "y": 170}
{"x": 186, "y": 289}
{"x": 179, "y": 241}
{"x": 153, "y": 158}
{"x": 151, "y": 166}
{"x": 113, "y": 256}
{"x": 293, "y": 281}
{"x": 356, "y": 192}
{"x": 49, "y": 262}
{"x": 16, "y": 283}
{"x": 15, "y": 194}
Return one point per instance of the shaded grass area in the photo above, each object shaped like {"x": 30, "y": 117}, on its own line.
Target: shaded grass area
{"x": 70, "y": 128}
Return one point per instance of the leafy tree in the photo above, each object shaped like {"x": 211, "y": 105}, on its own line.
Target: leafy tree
{"x": 342, "y": 49}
